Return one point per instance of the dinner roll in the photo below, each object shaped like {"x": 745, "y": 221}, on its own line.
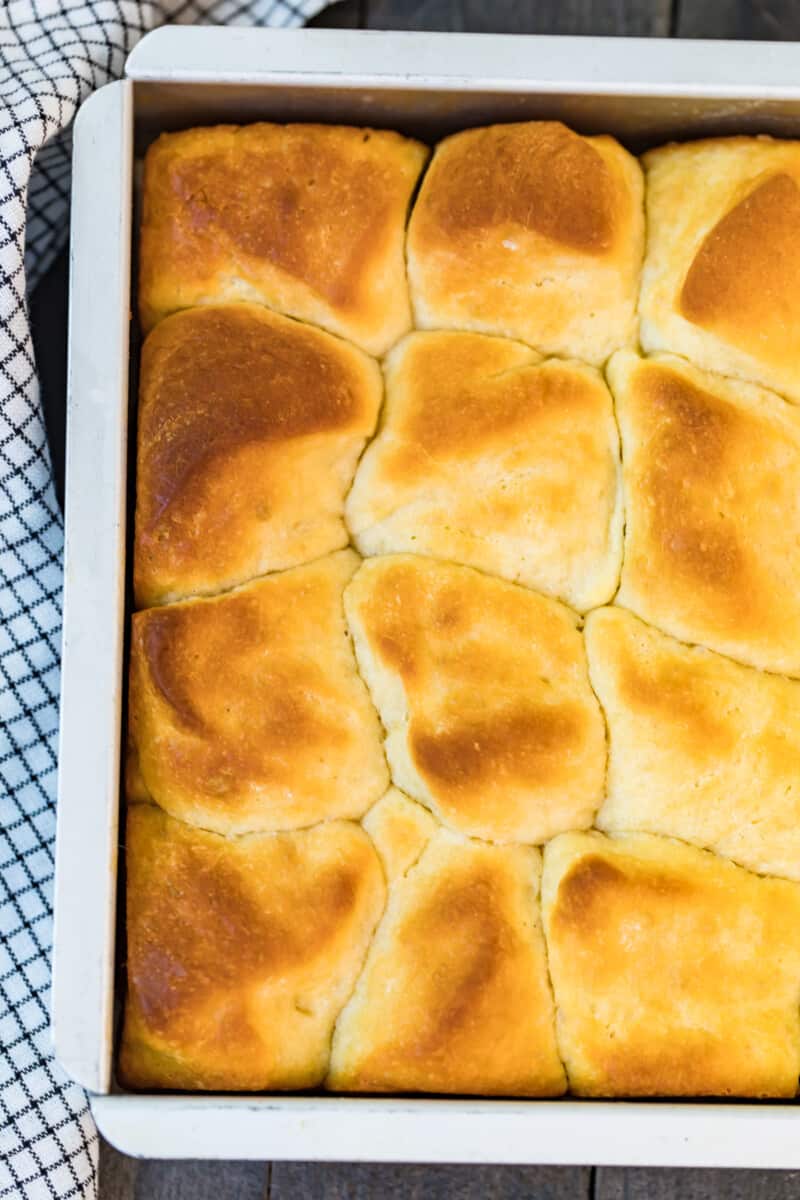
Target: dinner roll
{"x": 712, "y": 549}
{"x": 454, "y": 996}
{"x": 699, "y": 747}
{"x": 483, "y": 689}
{"x": 241, "y": 951}
{"x": 721, "y": 280}
{"x": 530, "y": 231}
{"x": 246, "y": 710}
{"x": 675, "y": 972}
{"x": 250, "y": 428}
{"x": 307, "y": 219}
{"x": 400, "y": 830}
{"x": 488, "y": 456}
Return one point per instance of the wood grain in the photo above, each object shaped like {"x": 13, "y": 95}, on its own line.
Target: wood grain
{"x": 368, "y": 1181}
{"x": 636, "y": 18}
{"x": 777, "y": 20}
{"x": 349, "y": 14}
{"x": 200, "y": 1180}
{"x": 117, "y": 1174}
{"x": 48, "y": 316}
{"x": 616, "y": 1183}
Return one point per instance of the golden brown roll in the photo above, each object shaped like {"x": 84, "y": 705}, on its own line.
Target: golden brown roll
{"x": 454, "y": 996}
{"x": 488, "y": 456}
{"x": 700, "y": 748}
{"x": 241, "y": 951}
{"x": 530, "y": 231}
{"x": 247, "y": 712}
{"x": 721, "y": 280}
{"x": 250, "y": 428}
{"x": 710, "y": 469}
{"x": 400, "y": 830}
{"x": 675, "y": 972}
{"x": 307, "y": 219}
{"x": 484, "y": 692}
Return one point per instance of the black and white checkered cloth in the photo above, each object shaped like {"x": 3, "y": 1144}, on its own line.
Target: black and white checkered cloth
{"x": 53, "y": 53}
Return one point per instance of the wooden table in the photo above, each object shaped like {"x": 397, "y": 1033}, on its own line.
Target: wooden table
{"x": 123, "y": 1178}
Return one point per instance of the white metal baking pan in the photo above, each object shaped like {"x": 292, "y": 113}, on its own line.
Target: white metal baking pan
{"x": 423, "y": 84}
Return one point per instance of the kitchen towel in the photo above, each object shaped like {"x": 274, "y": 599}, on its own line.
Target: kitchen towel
{"x": 53, "y": 53}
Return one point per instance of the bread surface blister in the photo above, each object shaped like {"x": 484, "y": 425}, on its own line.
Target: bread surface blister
{"x": 464, "y": 679}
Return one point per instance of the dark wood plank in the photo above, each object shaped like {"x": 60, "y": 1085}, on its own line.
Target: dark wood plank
{"x": 48, "y": 312}
{"x": 124, "y": 1178}
{"x": 192, "y": 1179}
{"x": 639, "y": 18}
{"x": 348, "y": 14}
{"x": 637, "y": 1183}
{"x": 117, "y": 1174}
{"x": 774, "y": 20}
{"x": 374, "y": 1181}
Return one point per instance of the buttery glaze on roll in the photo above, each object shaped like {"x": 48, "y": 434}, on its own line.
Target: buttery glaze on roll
{"x": 721, "y": 280}
{"x": 700, "y": 748}
{"x": 530, "y": 231}
{"x": 484, "y": 692}
{"x": 712, "y": 536}
{"x": 490, "y": 457}
{"x": 246, "y": 710}
{"x": 273, "y": 944}
{"x": 250, "y": 428}
{"x": 241, "y": 951}
{"x": 675, "y": 972}
{"x": 307, "y": 219}
{"x": 454, "y": 996}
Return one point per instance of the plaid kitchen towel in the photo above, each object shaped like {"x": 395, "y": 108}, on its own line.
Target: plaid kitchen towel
{"x": 53, "y": 53}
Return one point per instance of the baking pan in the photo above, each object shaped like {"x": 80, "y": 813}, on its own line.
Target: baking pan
{"x": 426, "y": 85}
